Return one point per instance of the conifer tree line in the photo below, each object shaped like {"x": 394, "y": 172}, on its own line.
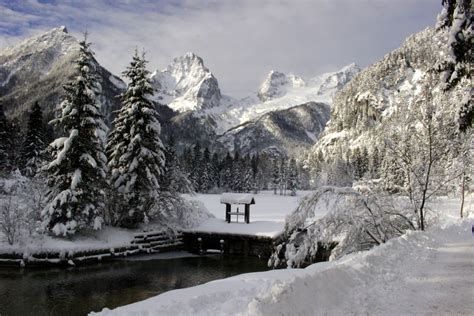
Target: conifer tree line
{"x": 23, "y": 150}
{"x": 215, "y": 172}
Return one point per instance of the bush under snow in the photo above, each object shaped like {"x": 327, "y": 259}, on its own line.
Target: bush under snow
{"x": 355, "y": 221}
{"x": 20, "y": 205}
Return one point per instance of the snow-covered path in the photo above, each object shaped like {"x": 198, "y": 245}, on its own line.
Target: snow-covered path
{"x": 421, "y": 273}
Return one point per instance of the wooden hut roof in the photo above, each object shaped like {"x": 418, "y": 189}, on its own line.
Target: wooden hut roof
{"x": 237, "y": 198}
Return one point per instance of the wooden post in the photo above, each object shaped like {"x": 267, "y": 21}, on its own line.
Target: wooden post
{"x": 247, "y": 213}
{"x": 227, "y": 213}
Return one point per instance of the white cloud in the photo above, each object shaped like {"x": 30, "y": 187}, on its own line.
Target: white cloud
{"x": 240, "y": 41}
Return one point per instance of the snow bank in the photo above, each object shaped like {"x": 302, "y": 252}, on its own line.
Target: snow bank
{"x": 422, "y": 273}
{"x": 109, "y": 237}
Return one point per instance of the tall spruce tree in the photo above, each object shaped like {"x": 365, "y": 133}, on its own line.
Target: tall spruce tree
{"x": 292, "y": 177}
{"x": 77, "y": 173}
{"x": 32, "y": 154}
{"x": 134, "y": 148}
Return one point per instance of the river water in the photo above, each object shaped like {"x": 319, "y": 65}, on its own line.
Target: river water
{"x": 79, "y": 290}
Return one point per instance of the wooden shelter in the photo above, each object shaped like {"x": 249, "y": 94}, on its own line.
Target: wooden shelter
{"x": 237, "y": 199}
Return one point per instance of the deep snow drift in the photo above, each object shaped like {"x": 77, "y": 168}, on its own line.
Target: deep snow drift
{"x": 422, "y": 273}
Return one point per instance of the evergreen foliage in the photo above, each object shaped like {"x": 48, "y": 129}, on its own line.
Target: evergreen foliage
{"x": 293, "y": 177}
{"x": 135, "y": 151}
{"x": 32, "y": 154}
{"x": 456, "y": 16}
{"x": 76, "y": 175}
{"x": 6, "y": 143}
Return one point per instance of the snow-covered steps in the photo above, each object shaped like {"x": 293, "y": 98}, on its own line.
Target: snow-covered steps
{"x": 158, "y": 241}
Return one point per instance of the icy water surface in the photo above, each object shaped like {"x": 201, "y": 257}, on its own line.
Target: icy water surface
{"x": 79, "y": 290}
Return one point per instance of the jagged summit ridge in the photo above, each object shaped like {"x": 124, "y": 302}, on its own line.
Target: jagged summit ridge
{"x": 276, "y": 85}
{"x": 36, "y": 69}
{"x": 57, "y": 38}
{"x": 186, "y": 84}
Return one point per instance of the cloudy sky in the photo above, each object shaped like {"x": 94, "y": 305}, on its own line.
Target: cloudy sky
{"x": 239, "y": 40}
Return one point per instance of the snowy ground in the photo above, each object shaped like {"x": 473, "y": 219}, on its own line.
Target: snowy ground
{"x": 420, "y": 273}
{"x": 109, "y": 237}
{"x": 267, "y": 216}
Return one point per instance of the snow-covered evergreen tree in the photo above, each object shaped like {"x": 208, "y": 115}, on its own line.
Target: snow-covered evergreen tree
{"x": 292, "y": 177}
{"x": 248, "y": 182}
{"x": 5, "y": 142}
{"x": 283, "y": 181}
{"x": 457, "y": 17}
{"x": 196, "y": 167}
{"x": 206, "y": 179}
{"x": 275, "y": 175}
{"x": 134, "y": 148}
{"x": 76, "y": 175}
{"x": 32, "y": 154}
{"x": 215, "y": 165}
{"x": 237, "y": 179}
{"x": 174, "y": 179}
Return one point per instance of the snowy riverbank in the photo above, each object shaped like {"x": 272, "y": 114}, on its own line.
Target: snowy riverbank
{"x": 419, "y": 273}
{"x": 267, "y": 219}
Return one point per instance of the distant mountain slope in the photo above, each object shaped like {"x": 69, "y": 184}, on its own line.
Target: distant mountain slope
{"x": 278, "y": 92}
{"x": 366, "y": 103}
{"x": 203, "y": 113}
{"x": 286, "y": 131}
{"x": 37, "y": 68}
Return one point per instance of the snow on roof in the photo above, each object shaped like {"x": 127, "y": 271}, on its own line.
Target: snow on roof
{"x": 237, "y": 198}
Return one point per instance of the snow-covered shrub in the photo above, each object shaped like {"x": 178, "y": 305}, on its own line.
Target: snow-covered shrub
{"x": 21, "y": 201}
{"x": 11, "y": 220}
{"x": 178, "y": 212}
{"x": 355, "y": 221}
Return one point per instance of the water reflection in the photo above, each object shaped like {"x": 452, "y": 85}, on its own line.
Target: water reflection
{"x": 79, "y": 290}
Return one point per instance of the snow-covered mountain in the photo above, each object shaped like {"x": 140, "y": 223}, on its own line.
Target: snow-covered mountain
{"x": 361, "y": 109}
{"x": 276, "y": 85}
{"x": 186, "y": 85}
{"x": 36, "y": 69}
{"x": 285, "y": 131}
{"x": 280, "y": 92}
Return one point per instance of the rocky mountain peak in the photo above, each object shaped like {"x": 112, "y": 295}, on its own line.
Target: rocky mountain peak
{"x": 276, "y": 85}
{"x": 332, "y": 82}
{"x": 55, "y": 41}
{"x": 186, "y": 84}
{"x": 36, "y": 69}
